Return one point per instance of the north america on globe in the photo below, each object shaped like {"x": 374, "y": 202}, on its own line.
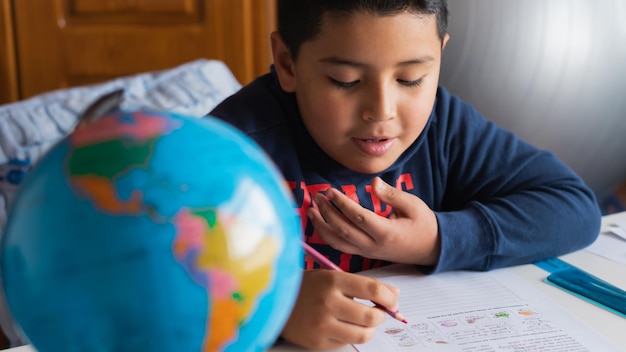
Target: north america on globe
{"x": 201, "y": 242}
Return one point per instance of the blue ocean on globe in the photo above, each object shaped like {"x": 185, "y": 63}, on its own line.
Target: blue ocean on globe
{"x": 145, "y": 231}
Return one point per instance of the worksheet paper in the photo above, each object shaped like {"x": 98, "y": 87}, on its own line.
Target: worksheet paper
{"x": 611, "y": 243}
{"x": 480, "y": 312}
{"x": 609, "y": 246}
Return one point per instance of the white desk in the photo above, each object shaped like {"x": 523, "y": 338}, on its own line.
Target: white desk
{"x": 607, "y": 324}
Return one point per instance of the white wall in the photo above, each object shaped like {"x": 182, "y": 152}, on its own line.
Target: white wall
{"x": 554, "y": 72}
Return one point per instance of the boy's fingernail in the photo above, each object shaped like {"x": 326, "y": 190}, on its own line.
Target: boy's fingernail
{"x": 317, "y": 197}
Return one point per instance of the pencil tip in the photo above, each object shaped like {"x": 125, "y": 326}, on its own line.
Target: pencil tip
{"x": 400, "y": 317}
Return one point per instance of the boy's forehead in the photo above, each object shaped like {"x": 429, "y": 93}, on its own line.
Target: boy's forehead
{"x": 333, "y": 22}
{"x": 362, "y": 31}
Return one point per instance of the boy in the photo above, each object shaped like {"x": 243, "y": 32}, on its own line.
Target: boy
{"x": 386, "y": 166}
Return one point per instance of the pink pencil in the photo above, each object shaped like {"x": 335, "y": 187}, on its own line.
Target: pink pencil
{"x": 322, "y": 260}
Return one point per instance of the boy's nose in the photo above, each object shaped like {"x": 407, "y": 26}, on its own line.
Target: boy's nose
{"x": 379, "y": 105}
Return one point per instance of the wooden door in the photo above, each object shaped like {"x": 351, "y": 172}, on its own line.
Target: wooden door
{"x": 8, "y": 69}
{"x": 64, "y": 43}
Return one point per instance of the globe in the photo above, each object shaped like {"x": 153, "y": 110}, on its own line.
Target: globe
{"x": 147, "y": 231}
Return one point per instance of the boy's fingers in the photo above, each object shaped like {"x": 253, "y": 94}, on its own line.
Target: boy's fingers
{"x": 399, "y": 200}
{"x": 326, "y": 209}
{"x": 370, "y": 289}
{"x": 395, "y": 290}
{"x": 356, "y": 313}
{"x": 329, "y": 234}
{"x": 340, "y": 219}
{"x": 348, "y": 212}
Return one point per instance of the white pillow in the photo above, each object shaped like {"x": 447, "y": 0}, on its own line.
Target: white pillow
{"x": 30, "y": 127}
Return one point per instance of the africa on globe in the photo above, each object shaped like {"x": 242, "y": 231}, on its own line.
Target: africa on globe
{"x": 144, "y": 231}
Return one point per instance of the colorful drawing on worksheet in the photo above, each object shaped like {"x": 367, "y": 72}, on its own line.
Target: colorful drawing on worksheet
{"x": 401, "y": 337}
{"x": 526, "y": 312}
{"x": 501, "y": 314}
{"x": 473, "y": 319}
{"x": 462, "y": 328}
{"x": 448, "y": 323}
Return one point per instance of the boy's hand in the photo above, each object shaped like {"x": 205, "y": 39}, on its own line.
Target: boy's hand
{"x": 326, "y": 316}
{"x": 409, "y": 235}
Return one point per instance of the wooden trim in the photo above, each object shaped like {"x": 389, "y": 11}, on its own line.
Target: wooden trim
{"x": 40, "y": 66}
{"x": 9, "y": 89}
{"x": 136, "y": 12}
{"x": 264, "y": 20}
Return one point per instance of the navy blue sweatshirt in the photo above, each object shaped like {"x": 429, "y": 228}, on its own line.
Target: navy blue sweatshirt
{"x": 498, "y": 200}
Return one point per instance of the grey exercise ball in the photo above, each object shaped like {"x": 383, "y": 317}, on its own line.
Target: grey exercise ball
{"x": 551, "y": 71}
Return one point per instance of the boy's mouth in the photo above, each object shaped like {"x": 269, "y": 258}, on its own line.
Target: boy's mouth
{"x": 374, "y": 146}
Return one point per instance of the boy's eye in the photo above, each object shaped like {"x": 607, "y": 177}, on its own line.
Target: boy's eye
{"x": 343, "y": 85}
{"x": 415, "y": 83}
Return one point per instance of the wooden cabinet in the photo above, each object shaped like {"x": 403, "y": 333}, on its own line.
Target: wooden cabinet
{"x": 51, "y": 44}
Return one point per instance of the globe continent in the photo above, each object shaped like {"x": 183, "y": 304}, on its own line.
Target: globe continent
{"x": 151, "y": 231}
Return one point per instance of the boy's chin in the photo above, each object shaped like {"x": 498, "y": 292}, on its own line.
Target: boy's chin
{"x": 369, "y": 167}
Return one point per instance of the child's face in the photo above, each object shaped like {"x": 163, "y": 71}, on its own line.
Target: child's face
{"x": 366, "y": 86}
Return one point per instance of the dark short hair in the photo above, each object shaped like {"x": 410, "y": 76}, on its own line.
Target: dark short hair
{"x": 300, "y": 20}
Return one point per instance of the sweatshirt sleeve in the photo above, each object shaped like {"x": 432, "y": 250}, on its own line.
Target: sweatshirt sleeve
{"x": 505, "y": 201}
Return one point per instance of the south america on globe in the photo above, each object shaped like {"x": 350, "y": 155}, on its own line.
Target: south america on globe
{"x": 145, "y": 231}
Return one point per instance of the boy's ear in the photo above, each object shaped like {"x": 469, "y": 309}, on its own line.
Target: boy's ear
{"x": 445, "y": 41}
{"x": 283, "y": 63}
